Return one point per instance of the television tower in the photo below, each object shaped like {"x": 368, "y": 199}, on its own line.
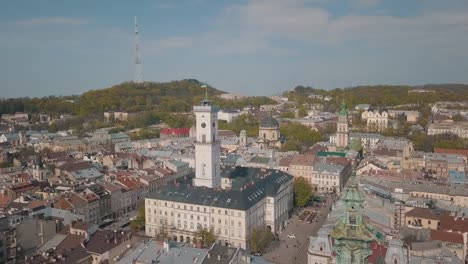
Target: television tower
{"x": 138, "y": 70}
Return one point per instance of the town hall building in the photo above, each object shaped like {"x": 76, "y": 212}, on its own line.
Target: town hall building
{"x": 232, "y": 201}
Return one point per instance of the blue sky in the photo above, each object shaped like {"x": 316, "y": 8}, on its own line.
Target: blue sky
{"x": 253, "y": 47}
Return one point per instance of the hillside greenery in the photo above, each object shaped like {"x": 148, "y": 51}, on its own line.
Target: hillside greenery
{"x": 380, "y": 95}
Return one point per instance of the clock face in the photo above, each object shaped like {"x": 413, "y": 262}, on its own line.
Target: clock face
{"x": 203, "y": 125}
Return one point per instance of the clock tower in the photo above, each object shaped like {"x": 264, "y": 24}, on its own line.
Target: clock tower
{"x": 207, "y": 145}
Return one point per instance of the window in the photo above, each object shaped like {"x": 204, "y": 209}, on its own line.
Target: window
{"x": 185, "y": 224}
{"x": 178, "y": 224}
{"x": 428, "y": 222}
{"x": 226, "y": 232}
{"x": 191, "y": 225}
{"x": 225, "y": 212}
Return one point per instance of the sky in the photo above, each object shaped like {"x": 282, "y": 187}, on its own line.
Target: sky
{"x": 252, "y": 47}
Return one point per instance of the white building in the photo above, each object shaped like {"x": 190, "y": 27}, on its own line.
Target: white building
{"x": 228, "y": 115}
{"x": 376, "y": 118}
{"x": 457, "y": 128}
{"x": 233, "y": 202}
{"x": 368, "y": 140}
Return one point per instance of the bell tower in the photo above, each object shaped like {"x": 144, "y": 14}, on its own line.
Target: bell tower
{"x": 352, "y": 234}
{"x": 207, "y": 145}
{"x": 342, "y": 129}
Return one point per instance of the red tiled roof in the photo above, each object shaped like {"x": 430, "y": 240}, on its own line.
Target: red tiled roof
{"x": 5, "y": 200}
{"x": 451, "y": 151}
{"x": 36, "y": 203}
{"x": 452, "y": 223}
{"x": 63, "y": 204}
{"x": 74, "y": 166}
{"x": 456, "y": 238}
{"x": 303, "y": 159}
{"x": 423, "y": 213}
{"x": 284, "y": 162}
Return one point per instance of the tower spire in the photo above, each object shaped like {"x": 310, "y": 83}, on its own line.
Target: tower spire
{"x": 138, "y": 70}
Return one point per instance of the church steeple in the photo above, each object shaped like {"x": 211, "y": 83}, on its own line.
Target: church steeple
{"x": 352, "y": 235}
{"x": 342, "y": 129}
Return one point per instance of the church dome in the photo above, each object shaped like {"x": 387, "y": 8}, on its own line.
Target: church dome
{"x": 269, "y": 122}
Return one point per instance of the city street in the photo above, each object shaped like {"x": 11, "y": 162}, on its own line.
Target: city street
{"x": 294, "y": 250}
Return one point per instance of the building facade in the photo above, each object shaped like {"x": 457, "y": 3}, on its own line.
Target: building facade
{"x": 248, "y": 199}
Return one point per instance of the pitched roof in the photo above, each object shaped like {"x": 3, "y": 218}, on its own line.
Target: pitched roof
{"x": 73, "y": 166}
{"x": 423, "y": 213}
{"x": 456, "y": 238}
{"x": 250, "y": 185}
{"x": 303, "y": 159}
{"x": 452, "y": 223}
{"x": 105, "y": 240}
{"x": 284, "y": 162}
{"x": 451, "y": 151}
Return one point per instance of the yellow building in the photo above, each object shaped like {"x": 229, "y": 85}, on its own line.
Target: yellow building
{"x": 422, "y": 218}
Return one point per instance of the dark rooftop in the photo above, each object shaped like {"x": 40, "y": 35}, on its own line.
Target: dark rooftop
{"x": 250, "y": 186}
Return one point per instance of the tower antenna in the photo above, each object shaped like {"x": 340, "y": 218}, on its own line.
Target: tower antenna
{"x": 138, "y": 70}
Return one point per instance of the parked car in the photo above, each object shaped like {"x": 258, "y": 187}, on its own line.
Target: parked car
{"x": 291, "y": 236}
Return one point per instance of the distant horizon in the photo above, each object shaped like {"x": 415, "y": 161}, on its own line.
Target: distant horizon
{"x": 252, "y": 47}
{"x": 250, "y": 95}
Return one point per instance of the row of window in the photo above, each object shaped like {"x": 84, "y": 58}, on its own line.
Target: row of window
{"x": 192, "y": 208}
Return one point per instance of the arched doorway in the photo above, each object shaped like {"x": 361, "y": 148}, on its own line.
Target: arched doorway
{"x": 269, "y": 228}
{"x": 187, "y": 239}
{"x": 174, "y": 238}
{"x": 181, "y": 239}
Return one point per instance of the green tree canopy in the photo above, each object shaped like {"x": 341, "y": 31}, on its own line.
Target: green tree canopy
{"x": 298, "y": 137}
{"x": 302, "y": 191}
{"x": 138, "y": 223}
{"x": 260, "y": 238}
{"x": 205, "y": 236}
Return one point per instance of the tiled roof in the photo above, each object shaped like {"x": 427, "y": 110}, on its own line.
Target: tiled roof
{"x": 104, "y": 240}
{"x": 423, "y": 213}
{"x": 456, "y": 238}
{"x": 5, "y": 200}
{"x": 284, "y": 162}
{"x": 452, "y": 223}
{"x": 303, "y": 160}
{"x": 452, "y": 151}
{"x": 73, "y": 166}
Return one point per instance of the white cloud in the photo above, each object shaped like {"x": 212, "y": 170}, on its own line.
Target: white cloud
{"x": 53, "y": 21}
{"x": 254, "y": 27}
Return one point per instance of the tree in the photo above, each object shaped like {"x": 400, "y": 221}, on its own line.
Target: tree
{"x": 139, "y": 222}
{"x": 205, "y": 236}
{"x": 298, "y": 137}
{"x": 458, "y": 117}
{"x": 260, "y": 238}
{"x": 355, "y": 144}
{"x": 302, "y": 191}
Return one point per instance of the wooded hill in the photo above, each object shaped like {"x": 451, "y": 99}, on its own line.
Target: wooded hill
{"x": 390, "y": 95}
